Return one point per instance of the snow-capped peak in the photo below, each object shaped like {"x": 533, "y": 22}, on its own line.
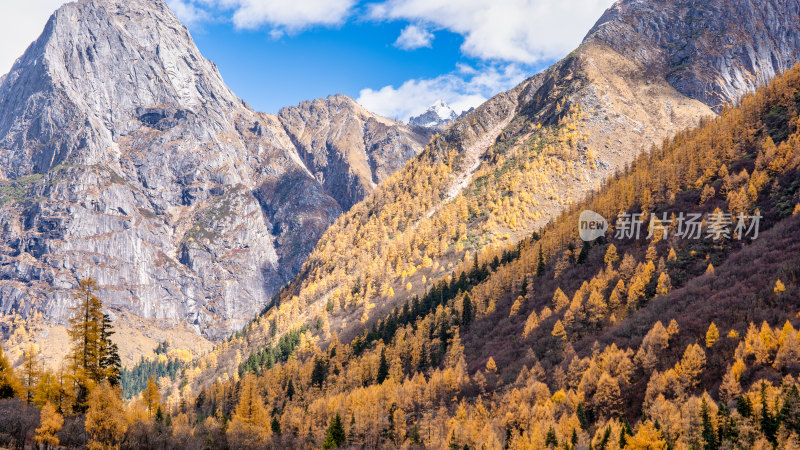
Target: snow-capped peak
{"x": 443, "y": 110}
{"x": 437, "y": 115}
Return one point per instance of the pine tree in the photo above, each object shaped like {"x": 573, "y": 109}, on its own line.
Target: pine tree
{"x": 335, "y": 436}
{"x": 551, "y": 439}
{"x": 467, "y": 311}
{"x": 709, "y": 431}
{"x": 383, "y": 367}
{"x": 320, "y": 372}
{"x": 540, "y": 267}
{"x": 110, "y": 362}
{"x": 769, "y": 423}
{"x": 584, "y": 253}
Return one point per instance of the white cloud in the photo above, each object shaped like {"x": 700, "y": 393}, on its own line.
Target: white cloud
{"x": 460, "y": 90}
{"x": 527, "y": 31}
{"x": 284, "y": 15}
{"x": 20, "y": 24}
{"x": 413, "y": 37}
{"x": 188, "y": 13}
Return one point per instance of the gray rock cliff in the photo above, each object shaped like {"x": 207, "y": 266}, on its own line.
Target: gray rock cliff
{"x": 125, "y": 157}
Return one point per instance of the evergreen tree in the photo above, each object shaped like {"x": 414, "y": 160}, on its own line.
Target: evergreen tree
{"x": 584, "y": 253}
{"x": 551, "y": 439}
{"x": 540, "y": 267}
{"x": 790, "y": 411}
{"x": 769, "y": 424}
{"x": 290, "y": 389}
{"x": 709, "y": 433}
{"x": 334, "y": 436}
{"x": 467, "y": 312}
{"x": 320, "y": 372}
{"x": 110, "y": 362}
{"x": 383, "y": 367}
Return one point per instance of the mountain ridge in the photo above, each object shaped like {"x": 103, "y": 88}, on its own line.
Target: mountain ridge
{"x": 561, "y": 133}
{"x": 126, "y": 158}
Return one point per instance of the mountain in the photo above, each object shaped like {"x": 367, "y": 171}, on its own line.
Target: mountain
{"x": 125, "y": 157}
{"x": 348, "y": 149}
{"x": 514, "y": 163}
{"x": 646, "y": 71}
{"x": 661, "y": 340}
{"x": 436, "y": 116}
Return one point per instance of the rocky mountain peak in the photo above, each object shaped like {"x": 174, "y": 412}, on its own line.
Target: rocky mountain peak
{"x": 712, "y": 50}
{"x": 436, "y": 116}
{"x": 337, "y": 131}
{"x": 98, "y": 66}
{"x": 124, "y": 157}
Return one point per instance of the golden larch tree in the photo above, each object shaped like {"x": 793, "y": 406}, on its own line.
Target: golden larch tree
{"x": 49, "y": 426}
{"x": 105, "y": 417}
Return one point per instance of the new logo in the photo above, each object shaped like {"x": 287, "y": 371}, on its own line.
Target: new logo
{"x": 591, "y": 225}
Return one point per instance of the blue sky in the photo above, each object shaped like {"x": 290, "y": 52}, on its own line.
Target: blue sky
{"x": 395, "y": 57}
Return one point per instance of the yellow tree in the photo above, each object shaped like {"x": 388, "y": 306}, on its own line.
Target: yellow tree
{"x": 691, "y": 366}
{"x": 491, "y": 366}
{"x": 664, "y": 284}
{"x": 31, "y": 371}
{"x": 530, "y": 324}
{"x": 151, "y": 397}
{"x": 85, "y": 328}
{"x": 672, "y": 328}
{"x": 559, "y": 331}
{"x": 608, "y": 401}
{"x": 49, "y": 426}
{"x": 560, "y": 300}
{"x": 611, "y": 255}
{"x": 94, "y": 357}
{"x": 647, "y": 437}
{"x": 779, "y": 287}
{"x": 712, "y": 335}
{"x": 9, "y": 384}
{"x": 105, "y": 417}
{"x": 249, "y": 426}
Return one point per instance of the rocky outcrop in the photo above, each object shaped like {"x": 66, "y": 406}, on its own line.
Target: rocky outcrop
{"x": 124, "y": 157}
{"x": 437, "y": 116}
{"x": 348, "y": 149}
{"x": 712, "y": 51}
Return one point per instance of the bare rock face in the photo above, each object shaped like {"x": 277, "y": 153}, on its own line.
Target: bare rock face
{"x": 336, "y": 136}
{"x": 713, "y": 50}
{"x": 125, "y": 157}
